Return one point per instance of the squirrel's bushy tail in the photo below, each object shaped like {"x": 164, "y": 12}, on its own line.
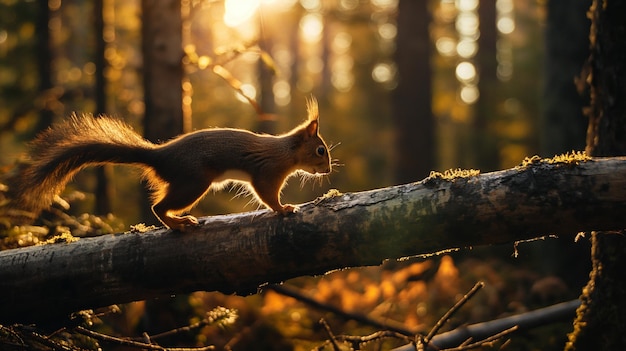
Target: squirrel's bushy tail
{"x": 64, "y": 149}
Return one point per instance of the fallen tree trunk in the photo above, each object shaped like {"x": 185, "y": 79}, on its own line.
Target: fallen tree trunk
{"x": 240, "y": 252}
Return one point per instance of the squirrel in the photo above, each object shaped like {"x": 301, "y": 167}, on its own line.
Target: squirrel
{"x": 180, "y": 171}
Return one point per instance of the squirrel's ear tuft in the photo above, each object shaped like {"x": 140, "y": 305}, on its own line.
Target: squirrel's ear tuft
{"x": 312, "y": 109}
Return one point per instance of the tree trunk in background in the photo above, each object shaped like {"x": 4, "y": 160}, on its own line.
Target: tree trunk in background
{"x": 44, "y": 63}
{"x": 485, "y": 148}
{"x": 162, "y": 73}
{"x": 601, "y": 319}
{"x": 163, "y": 70}
{"x": 413, "y": 117}
{"x": 267, "y": 121}
{"x": 563, "y": 124}
{"x": 104, "y": 190}
{"x": 162, "y": 47}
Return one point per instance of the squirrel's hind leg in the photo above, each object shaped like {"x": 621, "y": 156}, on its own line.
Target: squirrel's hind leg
{"x": 178, "y": 197}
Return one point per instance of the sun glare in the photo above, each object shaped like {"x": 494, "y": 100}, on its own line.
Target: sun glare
{"x": 236, "y": 12}
{"x": 249, "y": 90}
{"x": 465, "y": 72}
{"x": 311, "y": 27}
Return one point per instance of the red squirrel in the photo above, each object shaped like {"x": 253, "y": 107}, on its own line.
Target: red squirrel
{"x": 180, "y": 171}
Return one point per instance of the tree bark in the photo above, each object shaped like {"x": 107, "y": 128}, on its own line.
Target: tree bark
{"x": 238, "y": 253}
{"x": 601, "y": 319}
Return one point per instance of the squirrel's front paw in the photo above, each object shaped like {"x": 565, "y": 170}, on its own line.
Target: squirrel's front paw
{"x": 181, "y": 223}
{"x": 286, "y": 209}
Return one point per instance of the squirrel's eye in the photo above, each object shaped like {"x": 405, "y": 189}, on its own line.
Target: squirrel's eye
{"x": 320, "y": 151}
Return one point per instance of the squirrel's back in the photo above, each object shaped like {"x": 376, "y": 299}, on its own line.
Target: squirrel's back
{"x": 179, "y": 171}
{"x": 65, "y": 148}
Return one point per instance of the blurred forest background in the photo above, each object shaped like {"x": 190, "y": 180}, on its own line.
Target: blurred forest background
{"x": 405, "y": 87}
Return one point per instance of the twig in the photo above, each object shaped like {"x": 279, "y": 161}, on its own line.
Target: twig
{"x": 135, "y": 344}
{"x": 217, "y": 66}
{"x": 49, "y": 342}
{"x": 188, "y": 328}
{"x": 374, "y": 336}
{"x": 12, "y": 332}
{"x": 484, "y": 342}
{"x": 357, "y": 341}
{"x": 115, "y": 340}
{"x": 218, "y": 315}
{"x": 331, "y": 337}
{"x": 237, "y": 85}
{"x": 452, "y": 310}
{"x": 388, "y": 325}
{"x": 240, "y": 335}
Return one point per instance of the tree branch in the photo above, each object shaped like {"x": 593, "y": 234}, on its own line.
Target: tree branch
{"x": 481, "y": 331}
{"x": 346, "y": 315}
{"x": 240, "y": 252}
